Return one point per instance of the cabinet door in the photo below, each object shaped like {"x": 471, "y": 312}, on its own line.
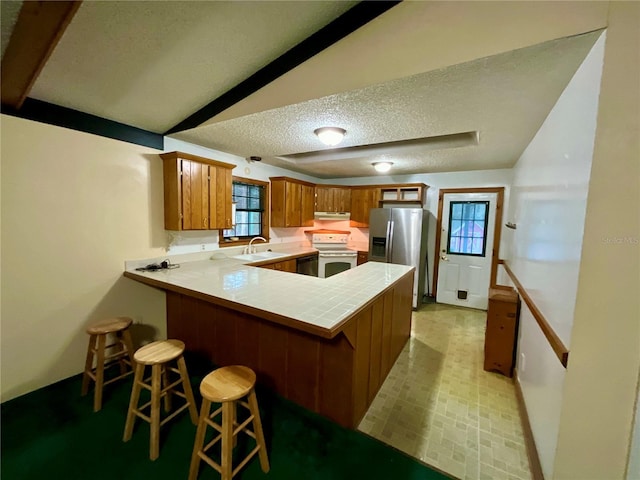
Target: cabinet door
{"x": 342, "y": 199}
{"x": 285, "y": 266}
{"x": 323, "y": 199}
{"x": 195, "y": 196}
{"x": 363, "y": 200}
{"x": 220, "y": 198}
{"x": 277, "y": 203}
{"x": 292, "y": 204}
{"x": 307, "y": 203}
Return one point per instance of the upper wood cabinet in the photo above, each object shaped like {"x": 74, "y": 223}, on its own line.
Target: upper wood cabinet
{"x": 197, "y": 192}
{"x": 292, "y": 202}
{"x": 331, "y": 198}
{"x": 405, "y": 193}
{"x": 363, "y": 199}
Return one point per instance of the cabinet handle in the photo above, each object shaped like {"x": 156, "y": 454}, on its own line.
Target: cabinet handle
{"x": 511, "y": 315}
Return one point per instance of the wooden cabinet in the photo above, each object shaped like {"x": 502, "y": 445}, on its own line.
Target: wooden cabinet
{"x": 307, "y": 204}
{"x": 197, "y": 192}
{"x": 363, "y": 199}
{"x": 331, "y": 198}
{"x": 502, "y": 330}
{"x": 363, "y": 257}
{"x": 283, "y": 266}
{"x": 407, "y": 193}
{"x": 292, "y": 202}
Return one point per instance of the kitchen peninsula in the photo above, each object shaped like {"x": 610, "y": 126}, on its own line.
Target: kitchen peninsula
{"x": 326, "y": 344}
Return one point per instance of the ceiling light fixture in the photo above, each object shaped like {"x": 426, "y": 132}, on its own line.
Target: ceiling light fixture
{"x": 330, "y": 135}
{"x": 382, "y": 166}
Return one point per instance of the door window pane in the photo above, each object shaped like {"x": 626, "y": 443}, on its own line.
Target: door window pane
{"x": 468, "y": 228}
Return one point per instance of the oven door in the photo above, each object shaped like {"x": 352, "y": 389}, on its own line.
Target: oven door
{"x": 333, "y": 263}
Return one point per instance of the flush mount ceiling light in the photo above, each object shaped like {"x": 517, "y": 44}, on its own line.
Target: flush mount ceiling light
{"x": 382, "y": 166}
{"x": 330, "y": 135}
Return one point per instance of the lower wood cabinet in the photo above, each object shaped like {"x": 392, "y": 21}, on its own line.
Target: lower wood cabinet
{"x": 336, "y": 375}
{"x": 283, "y": 266}
{"x": 363, "y": 257}
{"x": 502, "y": 331}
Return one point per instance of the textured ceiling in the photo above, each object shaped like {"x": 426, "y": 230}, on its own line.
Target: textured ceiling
{"x": 9, "y": 12}
{"x": 420, "y": 69}
{"x": 152, "y": 64}
{"x": 505, "y": 98}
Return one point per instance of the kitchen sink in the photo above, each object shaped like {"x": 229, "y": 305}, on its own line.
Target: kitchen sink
{"x": 260, "y": 256}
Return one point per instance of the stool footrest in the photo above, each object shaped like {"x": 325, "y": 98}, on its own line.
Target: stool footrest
{"x": 117, "y": 378}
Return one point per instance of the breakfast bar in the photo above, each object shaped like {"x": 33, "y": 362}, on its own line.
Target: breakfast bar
{"x": 324, "y": 343}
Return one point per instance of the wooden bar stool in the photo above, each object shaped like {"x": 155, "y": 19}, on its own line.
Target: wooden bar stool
{"x": 227, "y": 385}
{"x": 121, "y": 354}
{"x": 159, "y": 356}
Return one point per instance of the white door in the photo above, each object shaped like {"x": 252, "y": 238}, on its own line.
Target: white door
{"x": 466, "y": 246}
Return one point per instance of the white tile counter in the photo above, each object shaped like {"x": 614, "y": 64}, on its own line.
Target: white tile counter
{"x": 324, "y": 343}
{"x": 323, "y": 303}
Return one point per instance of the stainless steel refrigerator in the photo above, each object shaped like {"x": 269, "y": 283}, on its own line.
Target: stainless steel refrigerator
{"x": 399, "y": 235}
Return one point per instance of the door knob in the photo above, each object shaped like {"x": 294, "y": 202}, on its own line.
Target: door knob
{"x": 444, "y": 257}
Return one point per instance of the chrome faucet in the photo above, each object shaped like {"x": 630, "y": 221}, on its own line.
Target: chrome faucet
{"x": 250, "y": 248}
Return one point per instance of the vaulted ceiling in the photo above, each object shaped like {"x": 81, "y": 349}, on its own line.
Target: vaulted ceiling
{"x": 429, "y": 86}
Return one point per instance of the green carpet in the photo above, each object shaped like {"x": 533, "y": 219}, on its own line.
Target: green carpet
{"x": 53, "y": 433}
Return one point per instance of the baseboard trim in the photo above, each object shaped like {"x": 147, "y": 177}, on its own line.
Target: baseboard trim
{"x": 529, "y": 441}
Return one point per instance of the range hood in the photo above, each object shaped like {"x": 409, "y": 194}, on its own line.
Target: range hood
{"x": 332, "y": 215}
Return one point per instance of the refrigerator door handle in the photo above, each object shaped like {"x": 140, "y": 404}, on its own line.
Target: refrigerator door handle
{"x": 389, "y": 241}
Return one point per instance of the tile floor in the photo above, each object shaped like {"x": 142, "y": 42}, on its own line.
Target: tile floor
{"x": 440, "y": 406}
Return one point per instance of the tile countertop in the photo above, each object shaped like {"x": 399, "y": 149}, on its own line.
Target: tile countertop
{"x": 324, "y": 303}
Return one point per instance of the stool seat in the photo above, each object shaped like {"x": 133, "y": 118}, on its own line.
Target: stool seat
{"x": 119, "y": 352}
{"x": 162, "y": 351}
{"x": 160, "y": 357}
{"x": 228, "y": 383}
{"x": 110, "y": 325}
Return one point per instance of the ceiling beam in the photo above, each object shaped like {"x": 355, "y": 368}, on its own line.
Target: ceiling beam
{"x": 39, "y": 27}
{"x": 339, "y": 28}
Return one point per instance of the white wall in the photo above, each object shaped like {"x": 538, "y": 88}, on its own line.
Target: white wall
{"x": 601, "y": 382}
{"x": 548, "y": 201}
{"x": 633, "y": 468}
{"x": 74, "y": 207}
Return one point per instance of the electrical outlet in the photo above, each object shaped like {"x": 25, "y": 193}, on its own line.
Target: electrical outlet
{"x": 522, "y": 362}
{"x": 203, "y": 247}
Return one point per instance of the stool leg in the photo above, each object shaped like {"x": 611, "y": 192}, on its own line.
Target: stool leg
{"x": 186, "y": 383}
{"x": 257, "y": 429}
{"x": 167, "y": 392}
{"x": 133, "y": 403}
{"x": 234, "y": 417}
{"x": 88, "y": 364}
{"x": 120, "y": 345}
{"x": 199, "y": 442}
{"x": 227, "y": 440}
{"x": 126, "y": 336}
{"x": 97, "y": 399}
{"x": 154, "y": 440}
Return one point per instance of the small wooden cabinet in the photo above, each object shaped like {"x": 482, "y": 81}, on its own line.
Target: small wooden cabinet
{"x": 197, "y": 192}
{"x": 363, "y": 199}
{"x": 292, "y": 202}
{"x": 502, "y": 330}
{"x": 283, "y": 266}
{"x": 363, "y": 257}
{"x": 407, "y": 193}
{"x": 333, "y": 198}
